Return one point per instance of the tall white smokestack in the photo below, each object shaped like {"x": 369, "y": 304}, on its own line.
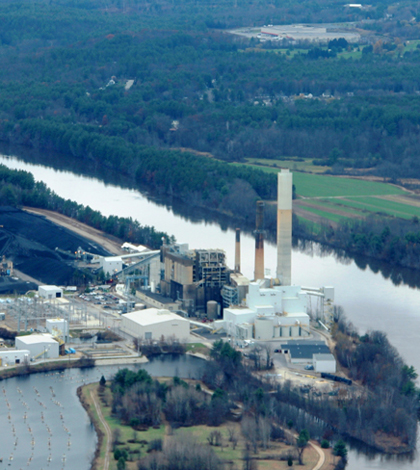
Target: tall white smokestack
{"x": 284, "y": 227}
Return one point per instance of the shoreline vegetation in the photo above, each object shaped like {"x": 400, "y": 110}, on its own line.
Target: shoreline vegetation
{"x": 392, "y": 241}
{"x": 379, "y": 410}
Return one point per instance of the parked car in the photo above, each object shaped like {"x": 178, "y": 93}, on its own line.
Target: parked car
{"x": 309, "y": 367}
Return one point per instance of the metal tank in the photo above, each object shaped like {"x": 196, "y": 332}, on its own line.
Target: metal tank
{"x": 212, "y": 310}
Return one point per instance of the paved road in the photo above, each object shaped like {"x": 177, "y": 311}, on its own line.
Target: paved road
{"x": 107, "y": 430}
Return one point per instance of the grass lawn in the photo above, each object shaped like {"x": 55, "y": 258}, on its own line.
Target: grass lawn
{"x": 325, "y": 214}
{"x": 391, "y": 207}
{"x": 308, "y": 185}
{"x": 335, "y": 204}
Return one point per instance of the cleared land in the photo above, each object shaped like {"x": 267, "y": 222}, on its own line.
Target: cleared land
{"x": 334, "y": 198}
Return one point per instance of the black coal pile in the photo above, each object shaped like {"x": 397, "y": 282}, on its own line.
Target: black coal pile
{"x": 9, "y": 285}
{"x": 30, "y": 241}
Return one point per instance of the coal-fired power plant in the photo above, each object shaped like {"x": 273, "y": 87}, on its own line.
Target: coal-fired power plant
{"x": 284, "y": 227}
{"x": 238, "y": 251}
{"x": 259, "y": 242}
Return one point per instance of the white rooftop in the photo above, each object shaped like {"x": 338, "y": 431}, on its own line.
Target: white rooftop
{"x": 50, "y": 288}
{"x": 37, "y": 338}
{"x": 151, "y": 316}
{"x": 323, "y": 357}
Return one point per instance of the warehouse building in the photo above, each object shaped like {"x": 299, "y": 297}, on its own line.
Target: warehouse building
{"x": 50, "y": 292}
{"x": 324, "y": 363}
{"x": 302, "y": 352}
{"x": 40, "y": 346}
{"x": 9, "y": 357}
{"x": 153, "y": 324}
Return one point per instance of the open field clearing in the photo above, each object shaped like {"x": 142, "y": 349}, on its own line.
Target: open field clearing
{"x": 308, "y": 185}
{"x": 335, "y": 198}
{"x": 292, "y": 164}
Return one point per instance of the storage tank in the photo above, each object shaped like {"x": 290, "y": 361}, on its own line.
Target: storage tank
{"x": 285, "y": 331}
{"x": 294, "y": 330}
{"x": 212, "y": 310}
{"x": 263, "y": 328}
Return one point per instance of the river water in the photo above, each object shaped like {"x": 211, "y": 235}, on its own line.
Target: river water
{"x": 43, "y": 423}
{"x": 374, "y": 296}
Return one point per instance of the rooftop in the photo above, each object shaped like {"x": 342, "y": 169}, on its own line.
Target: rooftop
{"x": 305, "y": 351}
{"x": 37, "y": 338}
{"x": 151, "y": 316}
{"x": 324, "y": 357}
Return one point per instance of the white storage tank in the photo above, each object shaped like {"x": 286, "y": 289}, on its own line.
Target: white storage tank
{"x": 285, "y": 331}
{"x": 264, "y": 328}
{"x": 294, "y": 330}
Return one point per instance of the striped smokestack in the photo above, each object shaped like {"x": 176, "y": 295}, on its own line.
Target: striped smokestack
{"x": 284, "y": 227}
{"x": 238, "y": 251}
{"x": 259, "y": 242}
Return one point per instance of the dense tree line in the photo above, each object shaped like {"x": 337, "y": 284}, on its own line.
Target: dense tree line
{"x": 19, "y": 187}
{"x": 141, "y": 402}
{"x": 393, "y": 240}
{"x": 200, "y": 89}
{"x": 387, "y": 406}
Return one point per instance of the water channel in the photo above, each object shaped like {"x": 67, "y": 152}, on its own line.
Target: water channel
{"x": 374, "y": 296}
{"x": 43, "y": 423}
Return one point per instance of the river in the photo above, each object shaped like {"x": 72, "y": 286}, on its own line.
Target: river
{"x": 43, "y": 423}
{"x": 373, "y": 296}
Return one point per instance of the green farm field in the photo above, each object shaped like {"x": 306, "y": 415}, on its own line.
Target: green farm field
{"x": 324, "y": 197}
{"x": 310, "y": 186}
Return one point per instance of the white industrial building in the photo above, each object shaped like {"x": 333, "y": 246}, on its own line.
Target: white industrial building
{"x": 271, "y": 312}
{"x": 324, "y": 363}
{"x": 153, "y": 323}
{"x": 50, "y": 292}
{"x": 111, "y": 264}
{"x": 40, "y": 346}
{"x": 57, "y": 326}
{"x": 9, "y": 357}
{"x": 273, "y": 308}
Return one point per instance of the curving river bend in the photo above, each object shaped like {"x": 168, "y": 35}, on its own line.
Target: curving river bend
{"x": 373, "y": 296}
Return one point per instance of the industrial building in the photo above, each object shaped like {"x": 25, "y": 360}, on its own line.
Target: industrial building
{"x": 57, "y": 327}
{"x": 193, "y": 276}
{"x": 266, "y": 309}
{"x": 270, "y": 312}
{"x": 40, "y": 346}
{"x": 9, "y": 357}
{"x": 302, "y": 352}
{"x": 111, "y": 265}
{"x": 311, "y": 33}
{"x": 324, "y": 363}
{"x": 140, "y": 265}
{"x": 153, "y": 324}
{"x": 50, "y": 292}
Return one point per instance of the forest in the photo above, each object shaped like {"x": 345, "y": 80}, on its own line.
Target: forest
{"x": 379, "y": 409}
{"x": 165, "y": 95}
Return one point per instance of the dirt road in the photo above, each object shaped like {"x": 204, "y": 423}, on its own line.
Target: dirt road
{"x": 107, "y": 430}
{"x": 108, "y": 242}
